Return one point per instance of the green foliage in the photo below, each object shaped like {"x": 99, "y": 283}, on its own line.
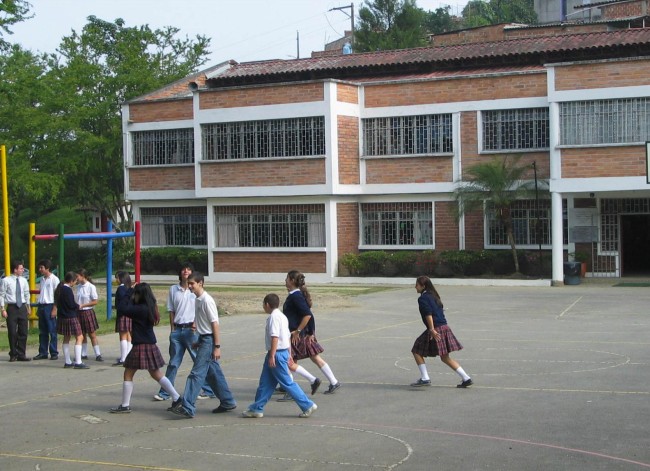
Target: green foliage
{"x": 11, "y": 12}
{"x": 440, "y": 21}
{"x": 389, "y": 24}
{"x": 167, "y": 260}
{"x": 482, "y": 13}
{"x": 351, "y": 263}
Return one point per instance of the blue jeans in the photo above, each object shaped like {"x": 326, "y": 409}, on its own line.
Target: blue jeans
{"x": 46, "y": 330}
{"x": 270, "y": 378}
{"x": 206, "y": 369}
{"x": 180, "y": 341}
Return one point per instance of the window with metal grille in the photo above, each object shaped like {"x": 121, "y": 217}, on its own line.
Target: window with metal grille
{"x": 610, "y": 210}
{"x": 174, "y": 226}
{"x": 397, "y": 224}
{"x": 408, "y": 135}
{"x": 297, "y": 137}
{"x": 619, "y": 121}
{"x": 164, "y": 147}
{"x": 270, "y": 226}
{"x": 520, "y": 129}
{"x": 524, "y": 224}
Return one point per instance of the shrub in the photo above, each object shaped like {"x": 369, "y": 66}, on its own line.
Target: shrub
{"x": 166, "y": 260}
{"x": 349, "y": 264}
{"x": 372, "y": 263}
{"x": 425, "y": 263}
{"x": 403, "y": 263}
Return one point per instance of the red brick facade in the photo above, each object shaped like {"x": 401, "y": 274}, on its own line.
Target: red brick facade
{"x": 263, "y": 173}
{"x": 602, "y": 75}
{"x": 409, "y": 170}
{"x": 348, "y": 143}
{"x": 347, "y": 228}
{"x": 171, "y": 110}
{"x": 161, "y": 178}
{"x": 277, "y": 262}
{"x": 242, "y": 97}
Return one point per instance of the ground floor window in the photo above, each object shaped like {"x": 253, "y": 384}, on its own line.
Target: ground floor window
{"x": 270, "y": 226}
{"x": 186, "y": 226}
{"x": 531, "y": 225}
{"x": 397, "y": 224}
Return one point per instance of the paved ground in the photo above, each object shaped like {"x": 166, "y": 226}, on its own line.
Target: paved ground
{"x": 561, "y": 382}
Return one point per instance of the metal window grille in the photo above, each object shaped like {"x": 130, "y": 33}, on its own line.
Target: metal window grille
{"x": 400, "y": 224}
{"x": 619, "y": 121}
{"x": 520, "y": 129}
{"x": 270, "y": 226}
{"x": 408, "y": 135}
{"x": 174, "y": 226}
{"x": 297, "y": 137}
{"x": 610, "y": 209}
{"x": 165, "y": 147}
{"x": 524, "y": 224}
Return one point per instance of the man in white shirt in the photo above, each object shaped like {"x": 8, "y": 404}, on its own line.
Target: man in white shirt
{"x": 14, "y": 301}
{"x": 47, "y": 340}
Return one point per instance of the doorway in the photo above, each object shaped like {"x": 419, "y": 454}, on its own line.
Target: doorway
{"x": 635, "y": 245}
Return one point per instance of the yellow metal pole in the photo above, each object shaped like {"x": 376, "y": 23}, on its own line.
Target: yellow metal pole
{"x": 32, "y": 274}
{"x": 5, "y": 210}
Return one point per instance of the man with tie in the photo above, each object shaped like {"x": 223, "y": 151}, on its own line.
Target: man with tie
{"x": 14, "y": 302}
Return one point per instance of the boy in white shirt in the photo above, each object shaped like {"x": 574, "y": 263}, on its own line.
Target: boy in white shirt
{"x": 276, "y": 364}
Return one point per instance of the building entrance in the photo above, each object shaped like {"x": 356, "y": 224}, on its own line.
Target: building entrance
{"x": 635, "y": 245}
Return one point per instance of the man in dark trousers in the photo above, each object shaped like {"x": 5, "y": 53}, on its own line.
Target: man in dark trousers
{"x": 14, "y": 301}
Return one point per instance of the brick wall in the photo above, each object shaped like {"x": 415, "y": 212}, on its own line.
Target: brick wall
{"x": 472, "y": 35}
{"x": 347, "y": 228}
{"x": 298, "y": 93}
{"x": 348, "y": 130}
{"x": 160, "y": 111}
{"x": 603, "y": 75}
{"x": 455, "y": 90}
{"x": 263, "y": 173}
{"x": 446, "y": 226}
{"x": 347, "y": 93}
{"x": 474, "y": 231}
{"x": 593, "y": 162}
{"x": 409, "y": 170}
{"x": 269, "y": 262}
{"x": 624, "y": 9}
{"x": 161, "y": 178}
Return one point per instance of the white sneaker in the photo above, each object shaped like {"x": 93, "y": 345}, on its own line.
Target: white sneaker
{"x": 309, "y": 411}
{"x": 252, "y": 414}
{"x": 158, "y": 397}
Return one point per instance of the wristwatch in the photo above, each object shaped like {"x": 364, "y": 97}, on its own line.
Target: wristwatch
{"x": 216, "y": 345}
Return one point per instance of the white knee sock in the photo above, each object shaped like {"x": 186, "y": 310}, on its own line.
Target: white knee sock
{"x": 168, "y": 387}
{"x": 97, "y": 351}
{"x": 130, "y": 347}
{"x": 305, "y": 374}
{"x": 124, "y": 349}
{"x": 84, "y": 349}
{"x": 127, "y": 390}
{"x": 462, "y": 374}
{"x": 424, "y": 374}
{"x": 66, "y": 353}
{"x": 328, "y": 373}
{"x": 77, "y": 354}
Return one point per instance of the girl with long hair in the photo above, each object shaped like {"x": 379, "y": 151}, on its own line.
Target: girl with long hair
{"x": 123, "y": 323}
{"x": 67, "y": 320}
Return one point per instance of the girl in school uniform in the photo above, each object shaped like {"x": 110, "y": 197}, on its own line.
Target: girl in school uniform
{"x": 437, "y": 339}
{"x": 140, "y": 306}
{"x": 123, "y": 323}
{"x": 87, "y": 298}
{"x": 67, "y": 320}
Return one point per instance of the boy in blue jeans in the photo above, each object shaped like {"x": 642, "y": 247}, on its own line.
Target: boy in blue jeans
{"x": 276, "y": 364}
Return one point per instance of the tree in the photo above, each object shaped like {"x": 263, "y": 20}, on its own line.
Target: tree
{"x": 482, "y": 13}
{"x": 440, "y": 21}
{"x": 497, "y": 184}
{"x": 11, "y": 12}
{"x": 390, "y": 24}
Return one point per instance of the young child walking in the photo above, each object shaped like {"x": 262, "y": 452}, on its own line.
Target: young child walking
{"x": 67, "y": 321}
{"x": 437, "y": 339}
{"x": 275, "y": 369}
{"x": 123, "y": 323}
{"x": 141, "y": 307}
{"x": 87, "y": 299}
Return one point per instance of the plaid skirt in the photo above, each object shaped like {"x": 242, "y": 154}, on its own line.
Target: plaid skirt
{"x": 305, "y": 347}
{"x": 123, "y": 324}
{"x": 144, "y": 356}
{"x": 448, "y": 343}
{"x": 68, "y": 326}
{"x": 88, "y": 321}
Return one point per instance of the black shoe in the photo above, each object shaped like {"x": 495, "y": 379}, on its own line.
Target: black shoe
{"x": 332, "y": 388}
{"x": 176, "y": 404}
{"x": 80, "y": 366}
{"x": 120, "y": 410}
{"x": 99, "y": 358}
{"x": 84, "y": 357}
{"x": 12, "y": 359}
{"x": 40, "y": 357}
{"x": 118, "y": 363}
{"x": 221, "y": 409}
{"x": 314, "y": 386}
{"x": 54, "y": 357}
{"x": 183, "y": 412}
{"x": 68, "y": 365}
{"x": 23, "y": 359}
{"x": 279, "y": 390}
{"x": 465, "y": 383}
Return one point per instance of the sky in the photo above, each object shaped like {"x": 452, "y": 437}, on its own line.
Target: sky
{"x": 243, "y": 30}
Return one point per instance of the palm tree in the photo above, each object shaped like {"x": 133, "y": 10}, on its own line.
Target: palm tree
{"x": 497, "y": 184}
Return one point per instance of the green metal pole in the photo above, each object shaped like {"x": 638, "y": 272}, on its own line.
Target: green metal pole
{"x": 61, "y": 252}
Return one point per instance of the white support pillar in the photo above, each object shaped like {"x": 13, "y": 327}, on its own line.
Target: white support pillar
{"x": 557, "y": 244}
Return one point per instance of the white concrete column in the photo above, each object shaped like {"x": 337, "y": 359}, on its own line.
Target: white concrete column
{"x": 557, "y": 244}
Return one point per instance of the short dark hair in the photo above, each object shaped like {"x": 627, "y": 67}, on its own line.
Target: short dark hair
{"x": 45, "y": 263}
{"x": 183, "y": 266}
{"x": 16, "y": 263}
{"x": 273, "y": 300}
{"x": 196, "y": 276}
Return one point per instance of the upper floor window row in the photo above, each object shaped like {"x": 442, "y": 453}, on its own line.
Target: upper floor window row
{"x": 408, "y": 135}
{"x": 518, "y": 129}
{"x": 296, "y": 137}
{"x": 616, "y": 121}
{"x": 163, "y": 147}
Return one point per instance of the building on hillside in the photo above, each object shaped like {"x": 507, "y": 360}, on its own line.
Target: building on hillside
{"x": 278, "y": 165}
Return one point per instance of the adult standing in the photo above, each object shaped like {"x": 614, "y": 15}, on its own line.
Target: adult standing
{"x": 208, "y": 353}
{"x": 47, "y": 338}
{"x": 181, "y": 308}
{"x": 14, "y": 301}
{"x": 87, "y": 299}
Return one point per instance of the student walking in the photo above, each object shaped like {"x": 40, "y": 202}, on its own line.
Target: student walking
{"x": 437, "y": 339}
{"x": 275, "y": 368}
{"x": 208, "y": 353}
{"x": 141, "y": 308}
{"x": 123, "y": 323}
{"x": 297, "y": 308}
{"x": 87, "y": 298}
{"x": 47, "y": 338}
{"x": 67, "y": 321}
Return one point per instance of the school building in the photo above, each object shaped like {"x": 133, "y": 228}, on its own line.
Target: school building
{"x": 290, "y": 164}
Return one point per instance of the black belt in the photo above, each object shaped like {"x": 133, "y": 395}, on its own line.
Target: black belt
{"x": 205, "y": 335}
{"x": 182, "y": 326}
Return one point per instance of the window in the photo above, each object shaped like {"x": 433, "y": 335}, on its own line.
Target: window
{"x": 524, "y": 224}
{"x": 174, "y": 226}
{"x": 408, "y": 135}
{"x": 622, "y": 121}
{"x": 270, "y": 226}
{"x": 166, "y": 147}
{"x": 397, "y": 224}
{"x": 524, "y": 129}
{"x": 299, "y": 137}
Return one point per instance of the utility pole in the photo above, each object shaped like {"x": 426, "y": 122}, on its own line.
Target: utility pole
{"x": 297, "y": 44}
{"x": 350, "y": 15}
